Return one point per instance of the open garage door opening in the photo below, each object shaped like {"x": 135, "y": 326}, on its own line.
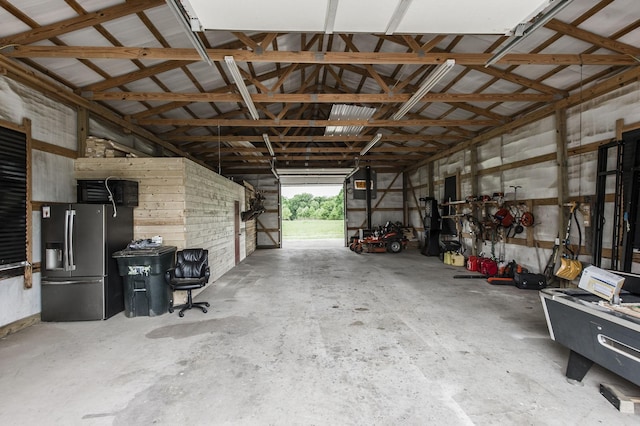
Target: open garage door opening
{"x": 312, "y": 214}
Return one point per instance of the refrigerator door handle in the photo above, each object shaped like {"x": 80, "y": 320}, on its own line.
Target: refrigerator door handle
{"x": 65, "y": 253}
{"x": 72, "y": 216}
{"x": 48, "y": 282}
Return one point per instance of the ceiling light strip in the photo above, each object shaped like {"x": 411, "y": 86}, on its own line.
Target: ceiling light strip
{"x": 268, "y": 142}
{"x": 239, "y": 80}
{"x": 273, "y": 168}
{"x": 353, "y": 172}
{"x": 371, "y": 144}
{"x": 558, "y": 5}
{"x": 183, "y": 19}
{"x": 398, "y": 16}
{"x": 433, "y": 79}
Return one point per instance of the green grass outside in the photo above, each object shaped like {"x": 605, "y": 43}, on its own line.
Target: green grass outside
{"x": 312, "y": 229}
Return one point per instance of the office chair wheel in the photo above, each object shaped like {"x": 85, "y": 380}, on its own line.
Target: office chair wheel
{"x": 180, "y": 314}
{"x": 170, "y": 310}
{"x": 207, "y": 304}
{"x": 204, "y": 311}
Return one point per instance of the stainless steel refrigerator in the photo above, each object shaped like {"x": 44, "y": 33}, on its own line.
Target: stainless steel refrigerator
{"x": 80, "y": 279}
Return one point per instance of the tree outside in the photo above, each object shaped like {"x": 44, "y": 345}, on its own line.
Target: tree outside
{"x": 311, "y": 217}
{"x": 308, "y": 206}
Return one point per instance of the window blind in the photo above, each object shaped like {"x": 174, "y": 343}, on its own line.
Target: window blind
{"x": 13, "y": 197}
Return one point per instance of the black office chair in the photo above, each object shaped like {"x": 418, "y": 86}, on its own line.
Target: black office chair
{"x": 191, "y": 272}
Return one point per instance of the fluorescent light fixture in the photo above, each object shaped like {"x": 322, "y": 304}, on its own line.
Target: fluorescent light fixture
{"x": 273, "y": 168}
{"x": 244, "y": 92}
{"x": 433, "y": 79}
{"x": 371, "y": 144}
{"x": 330, "y": 20}
{"x": 268, "y": 142}
{"x": 325, "y": 172}
{"x": 397, "y": 16}
{"x": 185, "y": 23}
{"x": 353, "y": 172}
{"x": 520, "y": 35}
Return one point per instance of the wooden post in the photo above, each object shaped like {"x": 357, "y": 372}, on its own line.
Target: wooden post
{"x": 473, "y": 151}
{"x": 563, "y": 176}
{"x": 619, "y": 129}
{"x": 28, "y": 270}
{"x": 431, "y": 190}
{"x": 405, "y": 200}
{"x": 82, "y": 131}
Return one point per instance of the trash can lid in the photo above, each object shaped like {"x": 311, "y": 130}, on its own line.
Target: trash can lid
{"x": 153, "y": 251}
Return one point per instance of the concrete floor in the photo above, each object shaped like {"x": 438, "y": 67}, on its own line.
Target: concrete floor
{"x": 311, "y": 334}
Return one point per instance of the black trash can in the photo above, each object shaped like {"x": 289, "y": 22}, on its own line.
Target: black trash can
{"x": 145, "y": 291}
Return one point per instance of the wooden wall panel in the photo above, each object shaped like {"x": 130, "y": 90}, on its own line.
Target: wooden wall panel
{"x": 185, "y": 203}
{"x": 161, "y": 209}
{"x": 209, "y": 207}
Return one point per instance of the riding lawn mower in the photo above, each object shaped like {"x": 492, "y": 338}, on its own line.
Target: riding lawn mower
{"x": 388, "y": 238}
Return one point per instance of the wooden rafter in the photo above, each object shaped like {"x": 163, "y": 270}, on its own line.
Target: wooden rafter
{"x": 77, "y": 23}
{"x": 313, "y": 123}
{"x": 365, "y": 58}
{"x": 271, "y": 97}
{"x": 294, "y": 93}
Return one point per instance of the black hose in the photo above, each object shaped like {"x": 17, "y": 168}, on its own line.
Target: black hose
{"x": 575, "y": 217}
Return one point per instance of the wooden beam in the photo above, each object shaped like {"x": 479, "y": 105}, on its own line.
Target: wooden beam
{"x": 589, "y": 37}
{"x": 397, "y": 159}
{"x": 64, "y": 95}
{"x": 80, "y": 22}
{"x": 311, "y": 150}
{"x": 53, "y": 149}
{"x": 615, "y": 82}
{"x": 28, "y": 269}
{"x": 562, "y": 168}
{"x": 363, "y": 58}
{"x": 309, "y": 139}
{"x": 248, "y": 41}
{"x": 311, "y": 123}
{"x": 317, "y": 97}
{"x": 130, "y": 77}
{"x": 517, "y": 79}
{"x": 82, "y": 130}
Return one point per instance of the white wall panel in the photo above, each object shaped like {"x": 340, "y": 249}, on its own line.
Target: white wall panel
{"x": 595, "y": 121}
{"x": 52, "y": 179}
{"x": 51, "y": 121}
{"x": 537, "y": 181}
{"x": 490, "y": 154}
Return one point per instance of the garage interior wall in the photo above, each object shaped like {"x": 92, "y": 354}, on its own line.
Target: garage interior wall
{"x": 268, "y": 225}
{"x": 52, "y": 181}
{"x": 387, "y": 206}
{"x": 588, "y": 125}
{"x": 206, "y": 197}
{"x": 526, "y": 157}
{"x": 185, "y": 203}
